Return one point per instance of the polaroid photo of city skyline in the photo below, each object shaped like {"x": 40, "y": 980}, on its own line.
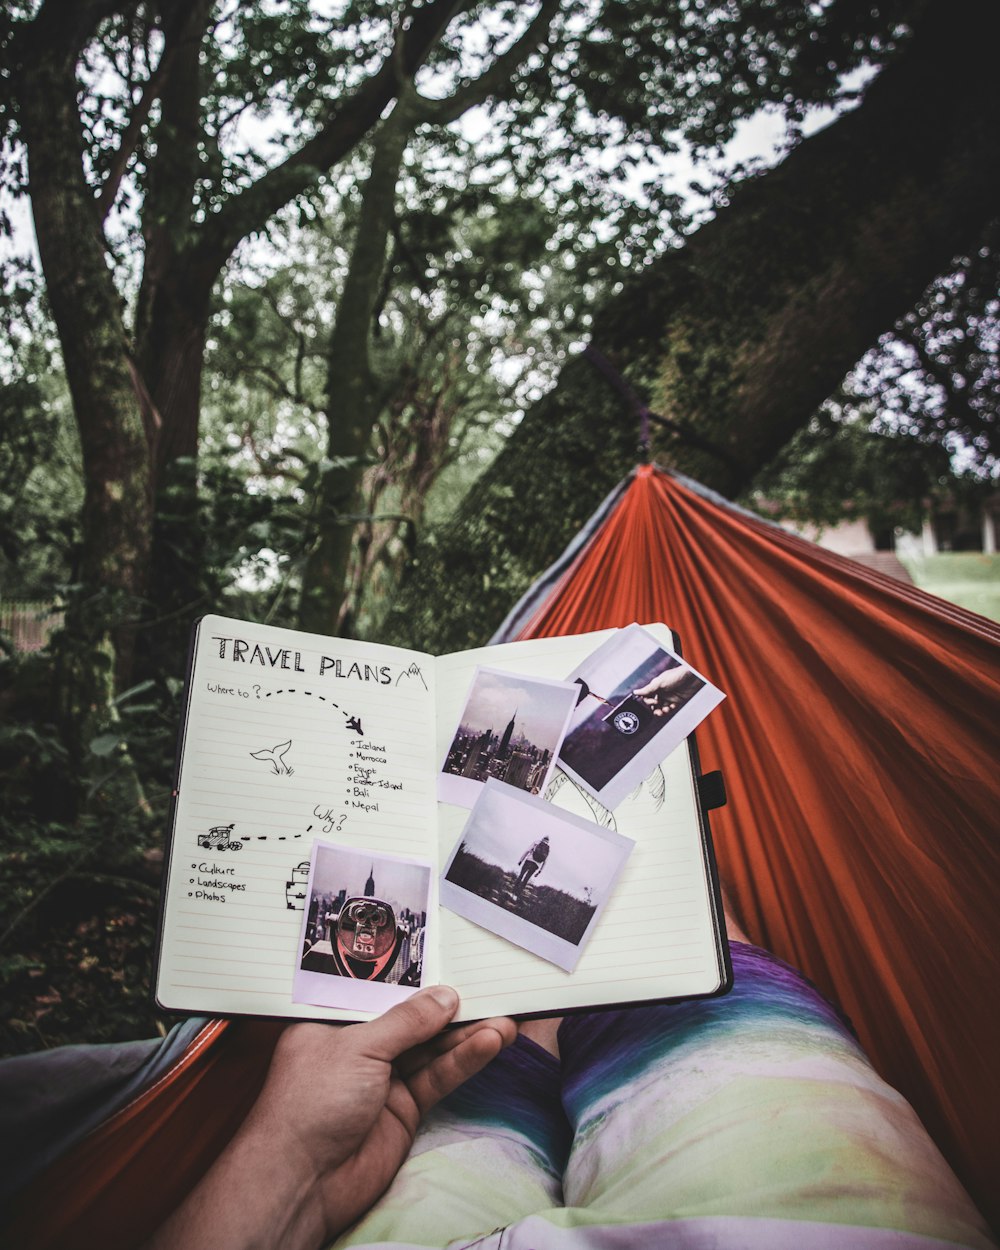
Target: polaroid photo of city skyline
{"x": 532, "y": 874}
{"x": 640, "y": 701}
{"x": 510, "y": 730}
{"x": 364, "y": 929}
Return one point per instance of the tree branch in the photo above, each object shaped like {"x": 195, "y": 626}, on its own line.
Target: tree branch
{"x": 352, "y": 120}
{"x": 150, "y": 93}
{"x": 500, "y": 75}
{"x": 63, "y": 26}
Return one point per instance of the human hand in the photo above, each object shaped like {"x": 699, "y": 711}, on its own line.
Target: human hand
{"x": 349, "y": 1100}
{"x": 332, "y": 1125}
{"x": 668, "y": 690}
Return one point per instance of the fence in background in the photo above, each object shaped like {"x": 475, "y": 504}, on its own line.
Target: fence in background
{"x": 29, "y": 625}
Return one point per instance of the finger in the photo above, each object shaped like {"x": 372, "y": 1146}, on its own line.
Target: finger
{"x": 411, "y": 1061}
{"x": 409, "y": 1023}
{"x": 447, "y": 1072}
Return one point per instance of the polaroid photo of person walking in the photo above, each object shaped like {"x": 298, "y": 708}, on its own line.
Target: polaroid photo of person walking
{"x": 638, "y": 701}
{"x": 532, "y": 873}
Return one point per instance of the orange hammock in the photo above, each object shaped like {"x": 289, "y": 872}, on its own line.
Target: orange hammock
{"x": 858, "y": 842}
{"x": 858, "y": 744}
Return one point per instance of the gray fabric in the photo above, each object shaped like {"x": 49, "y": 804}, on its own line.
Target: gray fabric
{"x": 721, "y": 501}
{"x": 52, "y": 1099}
{"x": 542, "y": 586}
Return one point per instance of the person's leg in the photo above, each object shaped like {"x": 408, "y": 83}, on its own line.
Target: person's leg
{"x": 489, "y": 1155}
{"x": 754, "y": 1117}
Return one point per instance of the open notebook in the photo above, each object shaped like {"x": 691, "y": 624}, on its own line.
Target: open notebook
{"x": 307, "y": 835}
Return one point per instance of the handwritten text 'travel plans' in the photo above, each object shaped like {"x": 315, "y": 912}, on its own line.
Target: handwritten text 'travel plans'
{"x": 242, "y": 651}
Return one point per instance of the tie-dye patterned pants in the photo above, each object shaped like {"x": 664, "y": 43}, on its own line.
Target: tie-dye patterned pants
{"x": 749, "y": 1121}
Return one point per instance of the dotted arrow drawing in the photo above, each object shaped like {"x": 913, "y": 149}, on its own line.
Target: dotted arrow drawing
{"x": 353, "y": 722}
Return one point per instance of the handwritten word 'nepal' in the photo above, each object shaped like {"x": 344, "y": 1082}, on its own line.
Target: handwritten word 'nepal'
{"x": 244, "y": 652}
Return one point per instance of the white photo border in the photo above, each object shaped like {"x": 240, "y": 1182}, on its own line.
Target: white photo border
{"x": 684, "y": 721}
{"x": 463, "y": 791}
{"x": 321, "y": 989}
{"x": 505, "y": 924}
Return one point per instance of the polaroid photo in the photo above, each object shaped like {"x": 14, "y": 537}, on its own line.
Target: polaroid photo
{"x": 364, "y": 929}
{"x": 510, "y": 730}
{"x": 533, "y": 874}
{"x": 638, "y": 701}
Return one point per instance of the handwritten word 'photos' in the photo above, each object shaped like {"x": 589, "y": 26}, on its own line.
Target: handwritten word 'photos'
{"x": 364, "y": 929}
{"x": 533, "y": 874}
{"x": 510, "y": 730}
{"x": 639, "y": 702}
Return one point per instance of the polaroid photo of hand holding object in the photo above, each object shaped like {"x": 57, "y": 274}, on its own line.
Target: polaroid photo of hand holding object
{"x": 296, "y": 764}
{"x": 654, "y": 700}
{"x": 638, "y": 701}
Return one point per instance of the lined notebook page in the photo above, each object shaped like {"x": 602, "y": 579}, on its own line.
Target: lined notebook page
{"x": 656, "y": 938}
{"x": 358, "y": 770}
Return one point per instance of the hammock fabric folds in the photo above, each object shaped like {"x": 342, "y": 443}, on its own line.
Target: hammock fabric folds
{"x": 857, "y": 745}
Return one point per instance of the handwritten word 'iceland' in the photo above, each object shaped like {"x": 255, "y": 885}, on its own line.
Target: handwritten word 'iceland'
{"x": 242, "y": 651}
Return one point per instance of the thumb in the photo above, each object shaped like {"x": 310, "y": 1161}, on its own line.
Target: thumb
{"x": 418, "y": 1019}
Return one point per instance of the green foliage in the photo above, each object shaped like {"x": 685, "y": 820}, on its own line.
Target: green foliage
{"x": 924, "y": 399}
{"x": 937, "y": 377}
{"x": 836, "y": 469}
{"x": 502, "y": 247}
{"x": 41, "y": 484}
{"x": 79, "y": 865}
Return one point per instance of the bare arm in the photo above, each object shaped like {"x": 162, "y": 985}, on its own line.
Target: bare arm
{"x": 332, "y": 1126}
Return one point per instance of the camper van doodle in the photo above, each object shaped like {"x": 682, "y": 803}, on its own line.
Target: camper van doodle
{"x": 220, "y": 838}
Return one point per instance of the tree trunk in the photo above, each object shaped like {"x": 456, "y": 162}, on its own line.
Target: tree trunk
{"x": 98, "y": 641}
{"x": 352, "y": 391}
{"x": 171, "y": 322}
{"x": 183, "y": 262}
{"x": 741, "y": 334}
